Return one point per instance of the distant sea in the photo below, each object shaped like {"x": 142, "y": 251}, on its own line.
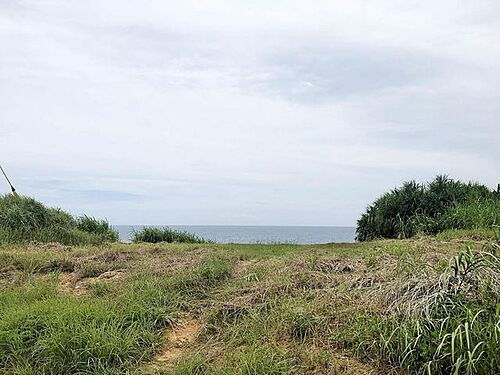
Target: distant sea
{"x": 256, "y": 234}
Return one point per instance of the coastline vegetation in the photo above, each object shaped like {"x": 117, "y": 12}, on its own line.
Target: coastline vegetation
{"x": 441, "y": 205}
{"x": 166, "y": 234}
{"x": 418, "y": 306}
{"x": 446, "y": 325}
{"x": 23, "y": 219}
{"x": 172, "y": 303}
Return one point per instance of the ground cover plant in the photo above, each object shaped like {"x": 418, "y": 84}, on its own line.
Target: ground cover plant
{"x": 191, "y": 309}
{"x": 443, "y": 204}
{"x": 23, "y": 219}
{"x": 446, "y": 325}
{"x": 166, "y": 234}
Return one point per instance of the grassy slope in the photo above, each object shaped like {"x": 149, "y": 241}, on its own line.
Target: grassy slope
{"x": 24, "y": 220}
{"x": 226, "y": 309}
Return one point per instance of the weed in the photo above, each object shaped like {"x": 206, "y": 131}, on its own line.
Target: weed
{"x": 302, "y": 323}
{"x": 42, "y": 331}
{"x": 448, "y": 326}
{"x": 100, "y": 289}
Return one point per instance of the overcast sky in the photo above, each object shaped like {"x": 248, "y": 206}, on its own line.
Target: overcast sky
{"x": 244, "y": 112}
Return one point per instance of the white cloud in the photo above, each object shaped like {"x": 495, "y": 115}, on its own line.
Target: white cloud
{"x": 205, "y": 112}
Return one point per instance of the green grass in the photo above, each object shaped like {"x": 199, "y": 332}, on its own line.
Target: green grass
{"x": 450, "y": 325}
{"x": 252, "y": 360}
{"x": 259, "y": 309}
{"x": 64, "y": 335}
{"x": 465, "y": 234}
{"x": 101, "y": 228}
{"x": 23, "y": 219}
{"x": 39, "y": 262}
{"x": 473, "y": 214}
{"x": 42, "y": 331}
{"x": 169, "y": 235}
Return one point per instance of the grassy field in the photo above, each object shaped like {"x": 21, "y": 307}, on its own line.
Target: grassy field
{"x": 423, "y": 305}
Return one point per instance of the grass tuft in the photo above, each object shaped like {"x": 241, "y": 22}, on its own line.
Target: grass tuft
{"x": 156, "y": 235}
{"x": 23, "y": 219}
{"x": 102, "y": 228}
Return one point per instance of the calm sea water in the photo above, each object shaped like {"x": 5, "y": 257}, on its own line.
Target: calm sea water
{"x": 257, "y": 234}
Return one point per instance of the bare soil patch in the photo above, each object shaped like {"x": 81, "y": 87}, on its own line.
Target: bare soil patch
{"x": 73, "y": 283}
{"x": 178, "y": 341}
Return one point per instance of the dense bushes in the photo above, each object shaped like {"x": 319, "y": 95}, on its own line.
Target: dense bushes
{"x": 24, "y": 219}
{"x": 429, "y": 208}
{"x": 155, "y": 235}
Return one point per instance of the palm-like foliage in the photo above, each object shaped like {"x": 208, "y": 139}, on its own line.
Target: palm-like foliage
{"x": 428, "y": 208}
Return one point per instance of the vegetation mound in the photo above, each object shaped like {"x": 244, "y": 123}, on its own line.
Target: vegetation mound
{"x": 443, "y": 204}
{"x": 155, "y": 235}
{"x": 23, "y": 219}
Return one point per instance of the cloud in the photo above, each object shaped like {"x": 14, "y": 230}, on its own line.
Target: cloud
{"x": 228, "y": 112}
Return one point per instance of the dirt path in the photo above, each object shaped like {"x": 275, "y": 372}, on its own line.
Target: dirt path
{"x": 178, "y": 341}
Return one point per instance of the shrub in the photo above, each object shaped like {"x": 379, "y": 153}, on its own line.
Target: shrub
{"x": 429, "y": 208}
{"x": 23, "y": 219}
{"x": 22, "y": 214}
{"x": 58, "y": 217}
{"x": 155, "y": 235}
{"x": 102, "y": 228}
{"x": 473, "y": 214}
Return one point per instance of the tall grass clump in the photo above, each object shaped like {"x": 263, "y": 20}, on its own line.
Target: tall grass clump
{"x": 155, "y": 235}
{"x": 445, "y": 326}
{"x": 473, "y": 214}
{"x": 23, "y": 219}
{"x": 431, "y": 208}
{"x": 102, "y": 228}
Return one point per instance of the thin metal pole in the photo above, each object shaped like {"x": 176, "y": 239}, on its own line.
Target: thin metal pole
{"x": 7, "y": 178}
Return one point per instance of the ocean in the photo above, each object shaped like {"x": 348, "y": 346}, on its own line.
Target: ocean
{"x": 256, "y": 234}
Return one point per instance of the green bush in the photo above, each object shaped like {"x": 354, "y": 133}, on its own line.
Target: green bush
{"x": 102, "y": 228}
{"x": 22, "y": 214}
{"x": 59, "y": 218}
{"x": 23, "y": 219}
{"x": 474, "y": 214}
{"x": 155, "y": 235}
{"x": 429, "y": 208}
